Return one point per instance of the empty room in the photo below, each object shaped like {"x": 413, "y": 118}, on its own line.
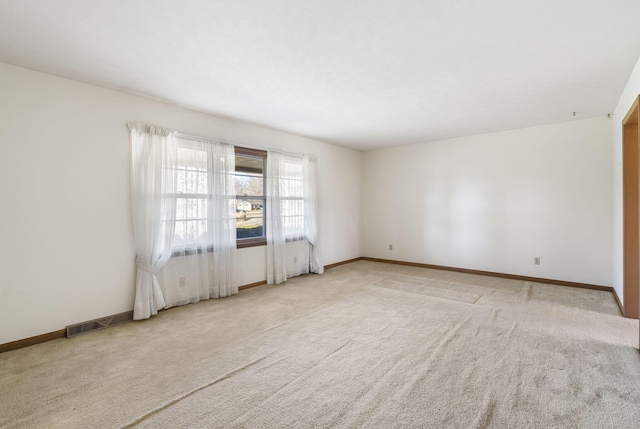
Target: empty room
{"x": 319, "y": 214}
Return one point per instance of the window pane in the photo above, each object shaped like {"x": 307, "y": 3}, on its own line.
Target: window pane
{"x": 249, "y": 218}
{"x": 292, "y": 212}
{"x": 291, "y": 188}
{"x": 189, "y": 232}
{"x": 192, "y": 172}
{"x": 249, "y": 185}
{"x": 249, "y": 176}
{"x": 192, "y": 201}
{"x": 191, "y": 208}
{"x": 249, "y": 164}
{"x": 178, "y": 235}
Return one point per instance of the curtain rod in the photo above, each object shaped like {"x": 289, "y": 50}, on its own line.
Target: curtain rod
{"x": 191, "y": 136}
{"x": 132, "y": 125}
{"x": 181, "y": 134}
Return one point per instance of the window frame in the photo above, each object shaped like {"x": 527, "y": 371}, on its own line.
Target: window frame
{"x": 242, "y": 243}
{"x": 177, "y": 250}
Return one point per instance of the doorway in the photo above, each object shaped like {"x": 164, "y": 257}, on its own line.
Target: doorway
{"x": 631, "y": 210}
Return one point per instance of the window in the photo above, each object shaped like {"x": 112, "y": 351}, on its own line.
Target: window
{"x": 291, "y": 188}
{"x": 192, "y": 197}
{"x": 293, "y": 247}
{"x": 204, "y": 198}
{"x": 250, "y": 197}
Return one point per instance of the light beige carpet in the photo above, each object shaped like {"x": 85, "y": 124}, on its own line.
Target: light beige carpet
{"x": 364, "y": 345}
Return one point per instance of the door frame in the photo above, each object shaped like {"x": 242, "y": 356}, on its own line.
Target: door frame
{"x": 631, "y": 210}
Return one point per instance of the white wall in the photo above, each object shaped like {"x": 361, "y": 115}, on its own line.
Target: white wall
{"x": 627, "y": 98}
{"x": 493, "y": 202}
{"x": 65, "y": 225}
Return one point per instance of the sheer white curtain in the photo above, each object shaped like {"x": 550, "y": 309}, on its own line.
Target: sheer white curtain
{"x": 204, "y": 245}
{"x": 293, "y": 246}
{"x": 153, "y": 174}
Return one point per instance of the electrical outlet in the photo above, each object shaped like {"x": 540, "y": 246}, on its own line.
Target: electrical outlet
{"x": 391, "y": 247}
{"x": 182, "y": 282}
{"x": 536, "y": 260}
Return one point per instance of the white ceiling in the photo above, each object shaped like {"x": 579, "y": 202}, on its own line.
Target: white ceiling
{"x": 358, "y": 73}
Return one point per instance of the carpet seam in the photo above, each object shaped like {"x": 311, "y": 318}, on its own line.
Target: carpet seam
{"x": 192, "y": 392}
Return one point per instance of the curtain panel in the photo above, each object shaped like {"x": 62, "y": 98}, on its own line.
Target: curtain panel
{"x": 183, "y": 208}
{"x": 293, "y": 246}
{"x": 153, "y": 181}
{"x": 204, "y": 249}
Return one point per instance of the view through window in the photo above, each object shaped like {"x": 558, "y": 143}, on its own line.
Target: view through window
{"x": 250, "y": 197}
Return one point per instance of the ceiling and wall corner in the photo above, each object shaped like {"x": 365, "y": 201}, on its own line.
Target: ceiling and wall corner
{"x": 358, "y": 73}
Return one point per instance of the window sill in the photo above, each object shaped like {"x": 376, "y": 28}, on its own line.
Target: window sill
{"x": 251, "y": 242}
{"x": 240, "y": 244}
{"x": 189, "y": 252}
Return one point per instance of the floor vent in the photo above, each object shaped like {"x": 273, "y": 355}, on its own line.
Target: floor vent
{"x": 97, "y": 324}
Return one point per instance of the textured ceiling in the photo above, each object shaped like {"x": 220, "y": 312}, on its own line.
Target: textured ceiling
{"x": 358, "y": 73}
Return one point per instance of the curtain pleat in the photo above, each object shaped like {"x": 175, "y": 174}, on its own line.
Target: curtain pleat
{"x": 153, "y": 158}
{"x": 293, "y": 246}
{"x": 309, "y": 174}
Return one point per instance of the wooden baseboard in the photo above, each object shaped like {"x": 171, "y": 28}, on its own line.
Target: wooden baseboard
{"x": 615, "y": 295}
{"x": 250, "y": 285}
{"x": 26, "y": 342}
{"x": 326, "y": 267}
{"x": 494, "y": 274}
{"x": 348, "y": 261}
